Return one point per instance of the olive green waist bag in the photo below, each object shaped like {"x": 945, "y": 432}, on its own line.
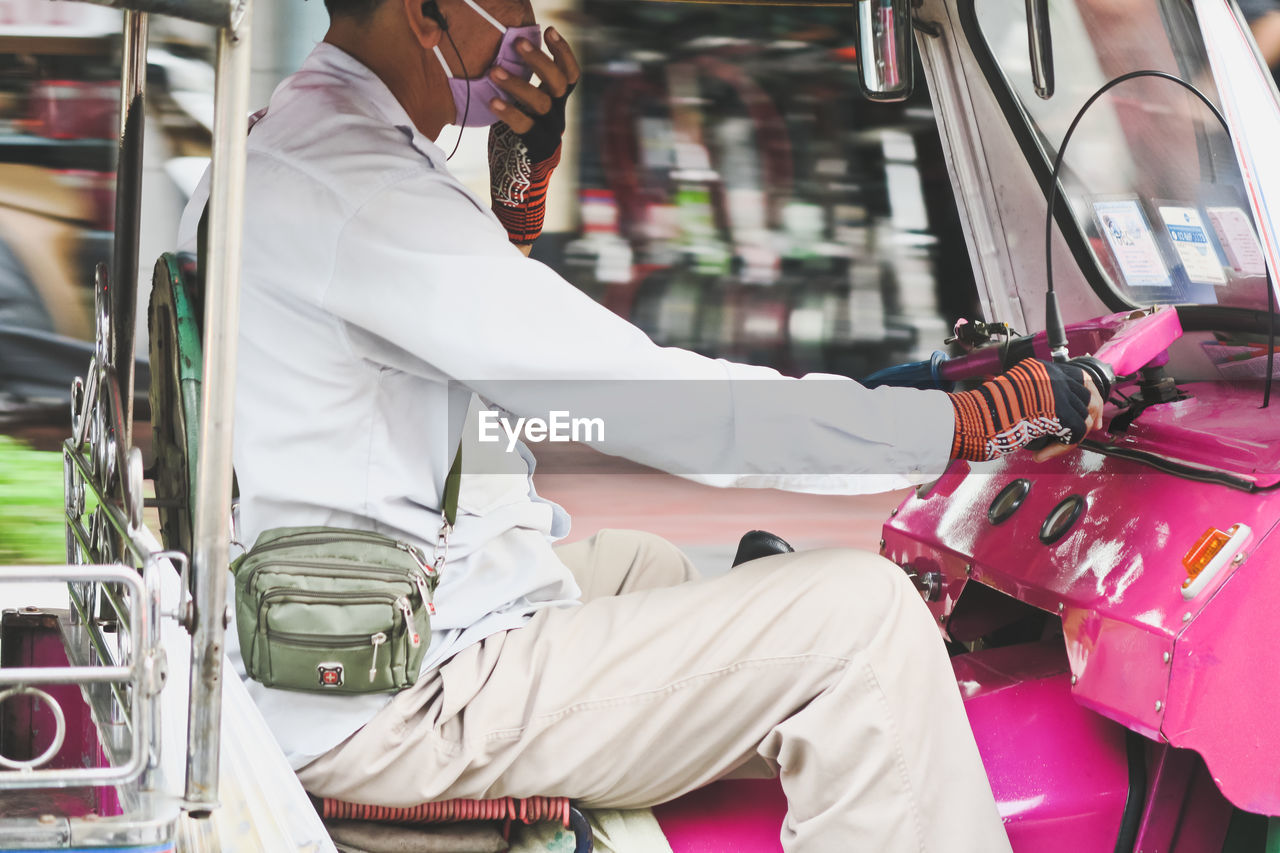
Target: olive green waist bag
{"x": 333, "y": 610}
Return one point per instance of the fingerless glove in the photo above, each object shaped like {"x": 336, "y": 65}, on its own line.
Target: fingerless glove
{"x": 1033, "y": 399}
{"x": 520, "y": 167}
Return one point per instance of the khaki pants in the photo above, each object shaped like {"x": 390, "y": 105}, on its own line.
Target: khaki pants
{"x": 822, "y": 666}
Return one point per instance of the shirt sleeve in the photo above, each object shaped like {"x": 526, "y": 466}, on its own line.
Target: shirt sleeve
{"x": 423, "y": 269}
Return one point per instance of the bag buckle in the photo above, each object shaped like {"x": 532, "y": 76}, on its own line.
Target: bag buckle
{"x": 442, "y": 545}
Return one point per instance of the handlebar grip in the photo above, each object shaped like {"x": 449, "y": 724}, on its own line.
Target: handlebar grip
{"x": 1103, "y": 376}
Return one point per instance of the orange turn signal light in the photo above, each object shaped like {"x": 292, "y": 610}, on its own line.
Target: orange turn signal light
{"x": 1206, "y": 548}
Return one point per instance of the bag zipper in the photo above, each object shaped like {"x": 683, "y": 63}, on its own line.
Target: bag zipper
{"x": 314, "y": 595}
{"x": 401, "y": 603}
{"x": 335, "y": 571}
{"x": 376, "y": 639}
{"x": 406, "y": 610}
{"x": 426, "y": 581}
{"x": 421, "y": 579}
{"x": 323, "y": 537}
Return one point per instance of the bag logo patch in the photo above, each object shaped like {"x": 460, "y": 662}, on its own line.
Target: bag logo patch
{"x": 330, "y": 674}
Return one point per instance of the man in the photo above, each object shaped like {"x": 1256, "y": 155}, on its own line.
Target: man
{"x": 1263, "y": 17}
{"x": 379, "y": 294}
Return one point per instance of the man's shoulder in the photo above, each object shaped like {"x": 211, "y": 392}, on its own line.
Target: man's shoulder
{"x": 317, "y": 129}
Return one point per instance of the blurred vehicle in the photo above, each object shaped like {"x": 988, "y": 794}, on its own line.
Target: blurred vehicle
{"x": 734, "y": 203}
{"x": 59, "y": 122}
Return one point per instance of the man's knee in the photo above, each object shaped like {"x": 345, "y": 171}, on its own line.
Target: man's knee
{"x": 656, "y": 562}
{"x": 614, "y": 562}
{"x": 837, "y": 585}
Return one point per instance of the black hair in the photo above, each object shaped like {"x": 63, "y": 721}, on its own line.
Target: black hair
{"x": 357, "y": 9}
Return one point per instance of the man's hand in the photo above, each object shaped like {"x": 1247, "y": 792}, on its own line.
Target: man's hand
{"x": 1094, "y": 422}
{"x": 1033, "y": 399}
{"x": 524, "y": 148}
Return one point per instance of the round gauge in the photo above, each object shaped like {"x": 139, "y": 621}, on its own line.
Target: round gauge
{"x": 1006, "y": 503}
{"x": 1061, "y": 519}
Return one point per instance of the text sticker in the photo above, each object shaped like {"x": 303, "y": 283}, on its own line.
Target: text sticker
{"x": 1132, "y": 243}
{"x": 1191, "y": 241}
{"x": 1235, "y": 233}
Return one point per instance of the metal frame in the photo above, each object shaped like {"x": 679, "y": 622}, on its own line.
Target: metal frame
{"x": 141, "y": 674}
{"x": 121, "y": 675}
{"x": 227, "y": 14}
{"x": 213, "y": 473}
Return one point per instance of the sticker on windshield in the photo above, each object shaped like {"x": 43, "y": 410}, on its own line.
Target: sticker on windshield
{"x": 1132, "y": 243}
{"x": 1191, "y": 241}
{"x": 1239, "y": 243}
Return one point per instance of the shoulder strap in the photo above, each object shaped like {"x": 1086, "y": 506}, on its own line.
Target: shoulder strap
{"x": 452, "y": 484}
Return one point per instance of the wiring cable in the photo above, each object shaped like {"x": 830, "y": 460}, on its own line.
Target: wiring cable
{"x": 1053, "y": 321}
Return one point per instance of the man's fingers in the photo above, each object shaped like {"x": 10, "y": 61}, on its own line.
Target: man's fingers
{"x": 511, "y": 117}
{"x": 1092, "y": 422}
{"x": 1051, "y": 450}
{"x": 548, "y": 72}
{"x": 1095, "y": 405}
{"x": 531, "y": 97}
{"x": 563, "y": 55}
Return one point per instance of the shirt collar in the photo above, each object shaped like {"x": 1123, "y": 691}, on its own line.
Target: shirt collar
{"x": 371, "y": 90}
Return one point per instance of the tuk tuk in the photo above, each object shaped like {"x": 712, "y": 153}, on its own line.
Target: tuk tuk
{"x": 1108, "y": 611}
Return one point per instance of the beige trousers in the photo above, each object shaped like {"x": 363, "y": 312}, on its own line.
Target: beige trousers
{"x": 823, "y": 666}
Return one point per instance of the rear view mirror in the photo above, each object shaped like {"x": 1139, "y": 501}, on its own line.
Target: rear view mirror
{"x": 886, "y": 49}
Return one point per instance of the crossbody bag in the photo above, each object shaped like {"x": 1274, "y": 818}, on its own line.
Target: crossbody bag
{"x": 336, "y": 610}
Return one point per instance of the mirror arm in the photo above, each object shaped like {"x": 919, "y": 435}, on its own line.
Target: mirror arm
{"x": 1040, "y": 41}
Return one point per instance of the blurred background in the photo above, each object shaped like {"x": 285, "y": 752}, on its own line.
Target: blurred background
{"x": 723, "y": 185}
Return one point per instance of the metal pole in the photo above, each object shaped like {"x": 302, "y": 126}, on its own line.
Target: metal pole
{"x": 124, "y": 258}
{"x": 213, "y": 475}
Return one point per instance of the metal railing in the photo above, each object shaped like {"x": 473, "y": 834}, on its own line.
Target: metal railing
{"x": 140, "y": 668}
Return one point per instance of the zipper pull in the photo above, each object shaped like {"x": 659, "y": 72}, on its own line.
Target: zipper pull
{"x": 422, "y": 581}
{"x": 418, "y": 556}
{"x": 377, "y": 640}
{"x": 424, "y": 590}
{"x": 407, "y": 611}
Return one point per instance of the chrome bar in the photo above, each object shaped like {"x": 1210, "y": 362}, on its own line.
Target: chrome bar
{"x": 1040, "y": 43}
{"x": 93, "y": 634}
{"x": 215, "y": 13}
{"x": 213, "y": 476}
{"x": 65, "y": 675}
{"x": 124, "y": 255}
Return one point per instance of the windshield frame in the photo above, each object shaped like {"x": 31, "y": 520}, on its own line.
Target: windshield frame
{"x": 1089, "y": 265}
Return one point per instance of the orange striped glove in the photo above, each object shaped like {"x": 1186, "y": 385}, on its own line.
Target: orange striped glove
{"x": 520, "y": 167}
{"x": 1033, "y": 399}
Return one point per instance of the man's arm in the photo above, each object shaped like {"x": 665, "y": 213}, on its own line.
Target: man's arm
{"x": 422, "y": 268}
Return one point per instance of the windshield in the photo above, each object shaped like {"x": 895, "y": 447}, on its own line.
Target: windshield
{"x": 1149, "y": 176}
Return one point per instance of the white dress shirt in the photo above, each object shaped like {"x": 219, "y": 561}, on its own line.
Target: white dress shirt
{"x": 371, "y": 279}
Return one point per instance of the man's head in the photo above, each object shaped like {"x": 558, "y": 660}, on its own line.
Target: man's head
{"x": 398, "y": 41}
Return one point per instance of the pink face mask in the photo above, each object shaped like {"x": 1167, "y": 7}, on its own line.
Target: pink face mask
{"x": 471, "y": 97}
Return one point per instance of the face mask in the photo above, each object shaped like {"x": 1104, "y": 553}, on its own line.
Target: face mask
{"x": 471, "y": 97}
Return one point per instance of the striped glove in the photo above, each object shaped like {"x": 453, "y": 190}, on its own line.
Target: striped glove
{"x": 1033, "y": 399}
{"x": 520, "y": 167}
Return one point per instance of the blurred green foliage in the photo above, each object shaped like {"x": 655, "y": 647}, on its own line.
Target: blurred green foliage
{"x": 31, "y": 528}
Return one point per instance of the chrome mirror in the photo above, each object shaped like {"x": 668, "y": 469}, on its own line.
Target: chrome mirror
{"x": 886, "y": 49}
